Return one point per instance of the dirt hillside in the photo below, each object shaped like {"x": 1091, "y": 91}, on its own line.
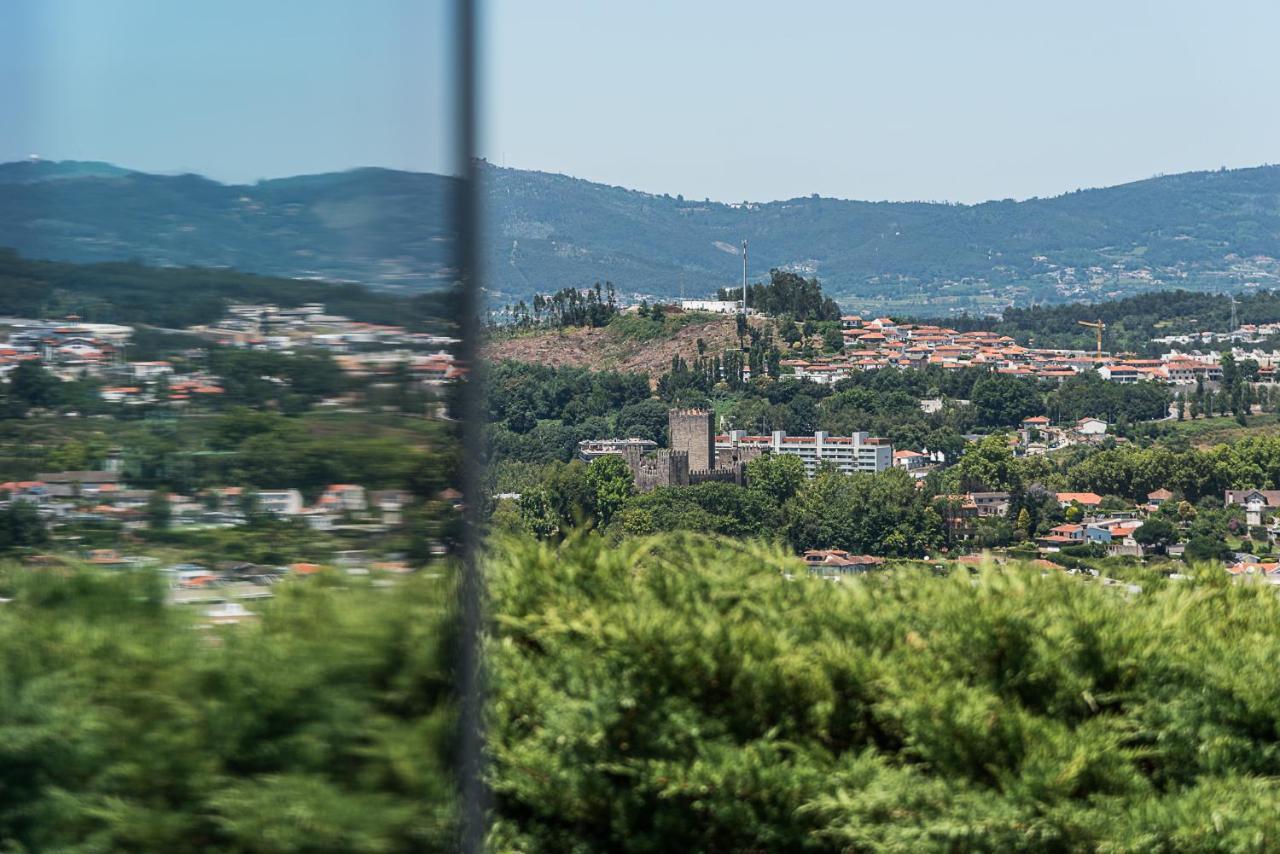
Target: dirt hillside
{"x": 605, "y": 349}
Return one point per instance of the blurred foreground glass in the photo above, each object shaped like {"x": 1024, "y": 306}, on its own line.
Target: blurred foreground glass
{"x": 234, "y": 278}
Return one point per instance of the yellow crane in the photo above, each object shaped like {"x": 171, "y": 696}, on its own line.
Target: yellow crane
{"x": 1099, "y": 327}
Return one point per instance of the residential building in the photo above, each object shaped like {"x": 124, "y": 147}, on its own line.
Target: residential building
{"x": 1091, "y": 427}
{"x": 1088, "y": 500}
{"x": 989, "y": 503}
{"x": 857, "y": 453}
{"x": 280, "y": 502}
{"x": 1257, "y": 503}
{"x": 344, "y": 498}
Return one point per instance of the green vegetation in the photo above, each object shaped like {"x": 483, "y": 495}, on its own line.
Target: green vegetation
{"x": 328, "y": 727}
{"x": 651, "y": 323}
{"x": 787, "y": 295}
{"x": 889, "y": 513}
{"x": 566, "y": 307}
{"x": 665, "y": 693}
{"x": 131, "y": 293}
{"x": 679, "y": 694}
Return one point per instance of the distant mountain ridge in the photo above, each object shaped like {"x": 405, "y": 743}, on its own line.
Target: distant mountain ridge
{"x": 1211, "y": 231}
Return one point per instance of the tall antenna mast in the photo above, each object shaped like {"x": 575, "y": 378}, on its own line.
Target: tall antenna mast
{"x": 744, "y": 277}
{"x": 1235, "y": 320}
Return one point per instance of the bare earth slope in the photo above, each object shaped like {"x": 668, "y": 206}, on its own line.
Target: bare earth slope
{"x": 607, "y": 349}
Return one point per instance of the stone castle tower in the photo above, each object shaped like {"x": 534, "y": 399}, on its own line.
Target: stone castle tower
{"x": 693, "y": 432}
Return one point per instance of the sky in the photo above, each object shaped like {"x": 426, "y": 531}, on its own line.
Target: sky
{"x": 727, "y": 99}
{"x": 234, "y": 89}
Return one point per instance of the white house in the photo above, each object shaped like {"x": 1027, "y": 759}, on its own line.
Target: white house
{"x": 280, "y": 502}
{"x": 1091, "y": 427}
{"x": 716, "y": 306}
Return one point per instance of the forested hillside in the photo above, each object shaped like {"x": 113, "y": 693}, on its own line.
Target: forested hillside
{"x": 1203, "y": 231}
{"x": 129, "y": 292}
{"x": 1131, "y": 322}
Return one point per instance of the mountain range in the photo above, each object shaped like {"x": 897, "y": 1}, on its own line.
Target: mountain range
{"x": 1211, "y": 231}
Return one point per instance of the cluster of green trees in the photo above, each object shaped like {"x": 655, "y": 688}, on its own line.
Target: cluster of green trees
{"x": 787, "y": 295}
{"x": 292, "y": 381}
{"x": 1133, "y": 472}
{"x": 21, "y": 527}
{"x": 729, "y": 370}
{"x": 131, "y": 293}
{"x": 1237, "y": 394}
{"x": 591, "y": 307}
{"x": 677, "y": 694}
{"x": 863, "y": 513}
{"x": 539, "y": 413}
{"x": 267, "y": 450}
{"x": 674, "y": 692}
{"x": 327, "y": 727}
{"x": 31, "y": 386}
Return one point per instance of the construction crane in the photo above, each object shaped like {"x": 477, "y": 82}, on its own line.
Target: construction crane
{"x": 1098, "y": 329}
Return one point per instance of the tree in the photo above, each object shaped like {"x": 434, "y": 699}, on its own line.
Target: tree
{"x": 778, "y": 476}
{"x": 989, "y": 464}
{"x": 34, "y": 386}
{"x": 1023, "y": 525}
{"x": 538, "y": 514}
{"x": 158, "y": 511}
{"x": 521, "y": 420}
{"x": 1001, "y": 400}
{"x": 611, "y": 483}
{"x": 645, "y": 419}
{"x": 1204, "y": 549}
{"x": 21, "y": 526}
{"x": 1156, "y": 534}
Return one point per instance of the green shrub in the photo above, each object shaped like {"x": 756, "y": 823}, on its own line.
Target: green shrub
{"x": 681, "y": 695}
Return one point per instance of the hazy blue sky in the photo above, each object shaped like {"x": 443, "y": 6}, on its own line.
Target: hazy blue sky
{"x": 732, "y": 99}
{"x": 235, "y": 89}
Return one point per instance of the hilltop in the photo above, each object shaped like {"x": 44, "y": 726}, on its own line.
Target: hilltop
{"x": 617, "y": 346}
{"x": 1205, "y": 231}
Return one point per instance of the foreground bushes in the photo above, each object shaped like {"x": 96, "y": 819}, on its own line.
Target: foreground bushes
{"x": 124, "y": 728}
{"x": 672, "y": 695}
{"x": 666, "y": 694}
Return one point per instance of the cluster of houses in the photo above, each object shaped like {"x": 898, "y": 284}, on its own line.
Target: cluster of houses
{"x": 157, "y": 382}
{"x": 88, "y": 496}
{"x": 882, "y": 343}
{"x": 360, "y": 349}
{"x": 67, "y": 347}
{"x": 270, "y": 327}
{"x": 1245, "y": 333}
{"x": 1114, "y": 529}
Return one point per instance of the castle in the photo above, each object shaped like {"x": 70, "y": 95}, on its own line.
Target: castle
{"x": 691, "y": 457}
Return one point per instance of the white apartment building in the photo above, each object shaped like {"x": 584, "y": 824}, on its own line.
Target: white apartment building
{"x": 716, "y": 306}
{"x": 857, "y": 453}
{"x": 280, "y": 502}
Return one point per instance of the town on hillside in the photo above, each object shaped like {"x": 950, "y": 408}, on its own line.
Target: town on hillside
{"x": 274, "y": 443}
{"x": 971, "y": 444}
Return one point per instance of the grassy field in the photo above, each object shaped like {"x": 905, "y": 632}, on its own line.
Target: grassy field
{"x": 1224, "y": 430}
{"x": 31, "y": 445}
